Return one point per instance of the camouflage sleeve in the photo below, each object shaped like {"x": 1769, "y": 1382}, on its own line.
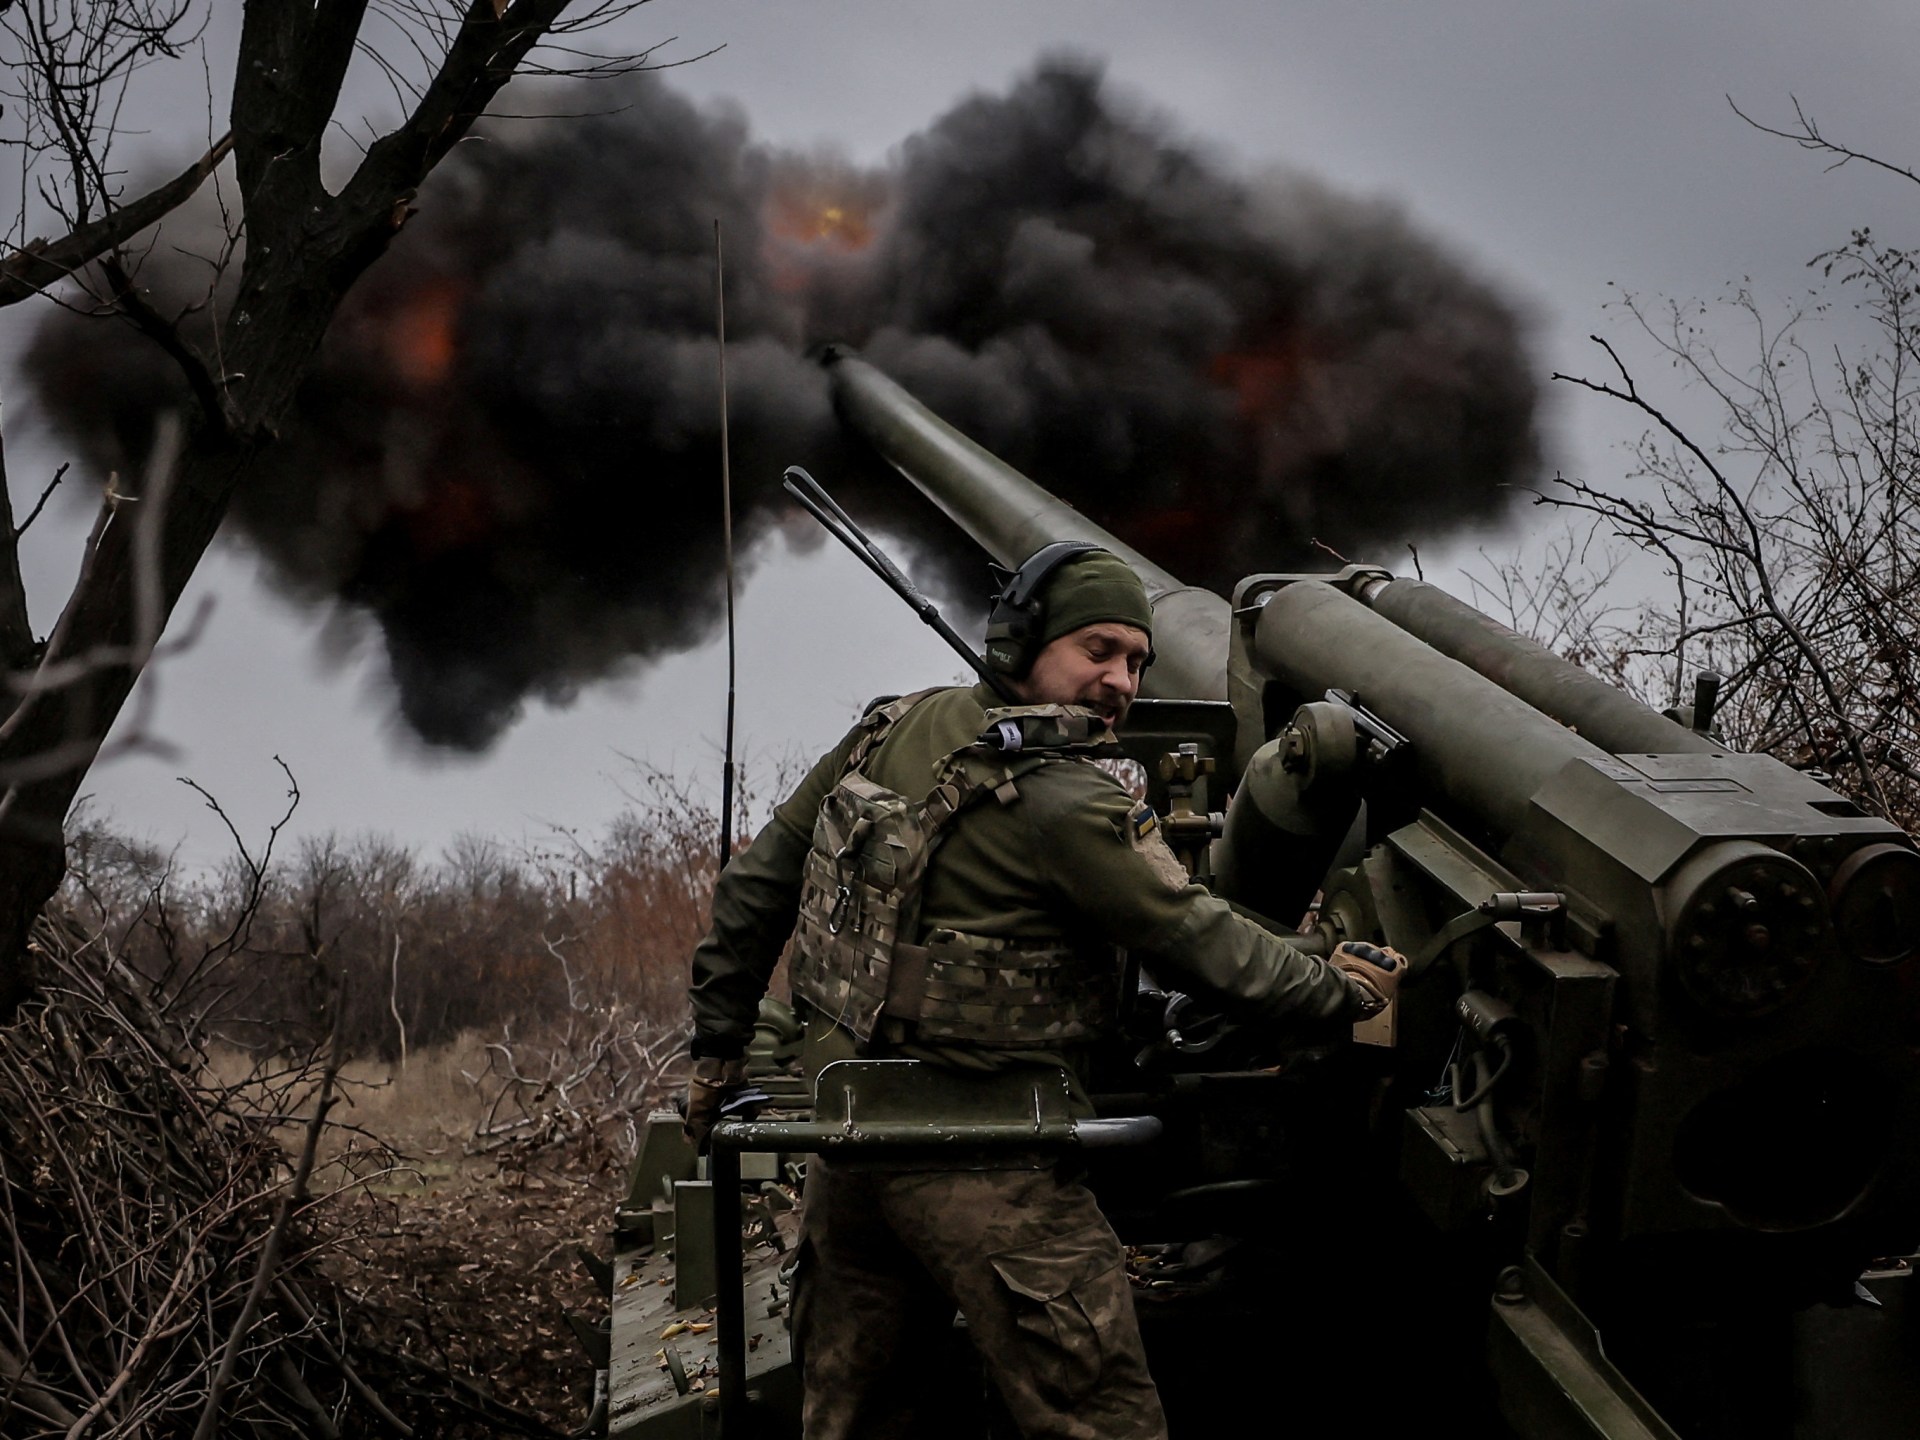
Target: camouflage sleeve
{"x": 1116, "y": 874}
{"x": 755, "y": 901}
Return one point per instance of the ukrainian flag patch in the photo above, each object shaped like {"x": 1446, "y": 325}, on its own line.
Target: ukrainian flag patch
{"x": 1142, "y": 822}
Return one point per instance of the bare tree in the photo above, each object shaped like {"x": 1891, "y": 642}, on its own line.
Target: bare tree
{"x": 1792, "y": 535}
{"x": 64, "y": 88}
{"x": 298, "y": 246}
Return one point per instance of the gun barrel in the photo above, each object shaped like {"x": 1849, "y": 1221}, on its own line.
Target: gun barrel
{"x": 1317, "y": 638}
{"x": 1610, "y": 718}
{"x": 1010, "y": 517}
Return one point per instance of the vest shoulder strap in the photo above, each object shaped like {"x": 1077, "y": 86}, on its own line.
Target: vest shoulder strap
{"x": 879, "y": 720}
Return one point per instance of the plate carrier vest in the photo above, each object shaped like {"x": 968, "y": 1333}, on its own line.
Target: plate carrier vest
{"x": 854, "y": 956}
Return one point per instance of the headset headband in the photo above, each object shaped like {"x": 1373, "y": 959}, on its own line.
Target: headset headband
{"x": 1017, "y": 618}
{"x": 1038, "y": 567}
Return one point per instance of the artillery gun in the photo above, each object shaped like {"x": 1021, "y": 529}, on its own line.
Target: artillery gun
{"x": 1633, "y": 1156}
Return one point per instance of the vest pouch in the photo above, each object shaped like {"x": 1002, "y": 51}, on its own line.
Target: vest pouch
{"x": 854, "y": 953}
{"x": 859, "y": 894}
{"x": 983, "y": 991}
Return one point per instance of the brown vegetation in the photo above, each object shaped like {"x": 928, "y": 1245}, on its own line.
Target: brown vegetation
{"x": 157, "y": 1251}
{"x": 306, "y": 1145}
{"x": 490, "y": 939}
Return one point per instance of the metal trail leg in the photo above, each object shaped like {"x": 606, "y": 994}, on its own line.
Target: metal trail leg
{"x": 729, "y": 1297}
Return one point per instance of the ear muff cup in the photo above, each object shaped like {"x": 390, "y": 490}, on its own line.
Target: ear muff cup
{"x": 1017, "y": 618}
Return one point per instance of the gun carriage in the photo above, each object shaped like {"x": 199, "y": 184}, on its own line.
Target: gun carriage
{"x": 1630, "y": 1153}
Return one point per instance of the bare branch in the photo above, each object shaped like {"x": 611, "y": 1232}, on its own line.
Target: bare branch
{"x": 1752, "y": 552}
{"x": 126, "y": 298}
{"x": 1807, "y": 136}
{"x": 41, "y": 504}
{"x": 43, "y": 263}
{"x": 264, "y": 1272}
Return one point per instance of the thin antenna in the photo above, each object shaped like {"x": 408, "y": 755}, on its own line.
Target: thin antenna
{"x": 726, "y": 540}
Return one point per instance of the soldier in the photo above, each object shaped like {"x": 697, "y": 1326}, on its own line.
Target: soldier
{"x": 1011, "y": 871}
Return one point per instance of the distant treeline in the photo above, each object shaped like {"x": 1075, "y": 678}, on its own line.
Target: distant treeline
{"x": 412, "y": 951}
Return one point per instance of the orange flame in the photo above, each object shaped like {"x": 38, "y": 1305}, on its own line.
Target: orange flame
{"x": 812, "y": 215}
{"x": 1262, "y": 381}
{"x": 424, "y": 336}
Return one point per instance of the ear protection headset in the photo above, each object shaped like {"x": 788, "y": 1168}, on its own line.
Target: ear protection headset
{"x": 1017, "y": 619}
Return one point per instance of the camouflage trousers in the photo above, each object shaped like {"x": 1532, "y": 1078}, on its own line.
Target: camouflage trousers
{"x": 886, "y": 1257}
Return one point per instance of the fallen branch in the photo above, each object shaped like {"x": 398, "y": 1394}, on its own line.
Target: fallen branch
{"x": 263, "y": 1274}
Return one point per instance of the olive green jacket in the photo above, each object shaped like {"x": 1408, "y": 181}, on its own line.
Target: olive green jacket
{"x": 1061, "y": 864}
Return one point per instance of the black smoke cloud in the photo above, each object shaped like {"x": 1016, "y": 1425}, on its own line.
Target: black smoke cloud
{"x": 508, "y": 455}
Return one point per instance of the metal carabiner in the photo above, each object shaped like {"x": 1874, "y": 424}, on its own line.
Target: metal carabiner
{"x": 837, "y": 917}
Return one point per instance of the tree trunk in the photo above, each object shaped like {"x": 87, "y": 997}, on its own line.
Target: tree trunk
{"x": 305, "y": 248}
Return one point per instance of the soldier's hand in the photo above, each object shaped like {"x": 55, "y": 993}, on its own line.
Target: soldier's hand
{"x": 1377, "y": 967}
{"x": 711, "y": 1084}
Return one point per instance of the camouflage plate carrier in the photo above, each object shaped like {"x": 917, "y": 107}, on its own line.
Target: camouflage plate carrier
{"x": 860, "y": 901}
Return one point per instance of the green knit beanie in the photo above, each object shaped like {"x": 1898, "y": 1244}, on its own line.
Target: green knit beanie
{"x": 1091, "y": 588}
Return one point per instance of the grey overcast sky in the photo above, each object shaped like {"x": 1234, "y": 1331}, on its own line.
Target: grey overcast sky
{"x": 1557, "y": 146}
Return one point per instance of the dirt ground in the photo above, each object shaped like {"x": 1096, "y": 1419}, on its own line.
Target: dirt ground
{"x": 460, "y": 1268}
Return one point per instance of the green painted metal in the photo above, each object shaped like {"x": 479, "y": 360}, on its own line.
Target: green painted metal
{"x": 1312, "y": 638}
{"x": 1602, "y": 713}
{"x": 1555, "y": 1379}
{"x": 1012, "y": 517}
{"x": 694, "y": 1278}
{"x": 665, "y": 1156}
{"x": 644, "y": 1402}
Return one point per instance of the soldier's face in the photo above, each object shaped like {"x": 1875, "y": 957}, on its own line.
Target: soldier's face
{"x": 1097, "y": 666}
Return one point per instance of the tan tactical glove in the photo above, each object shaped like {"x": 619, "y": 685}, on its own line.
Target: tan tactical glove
{"x": 1378, "y": 969}
{"x": 710, "y": 1086}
